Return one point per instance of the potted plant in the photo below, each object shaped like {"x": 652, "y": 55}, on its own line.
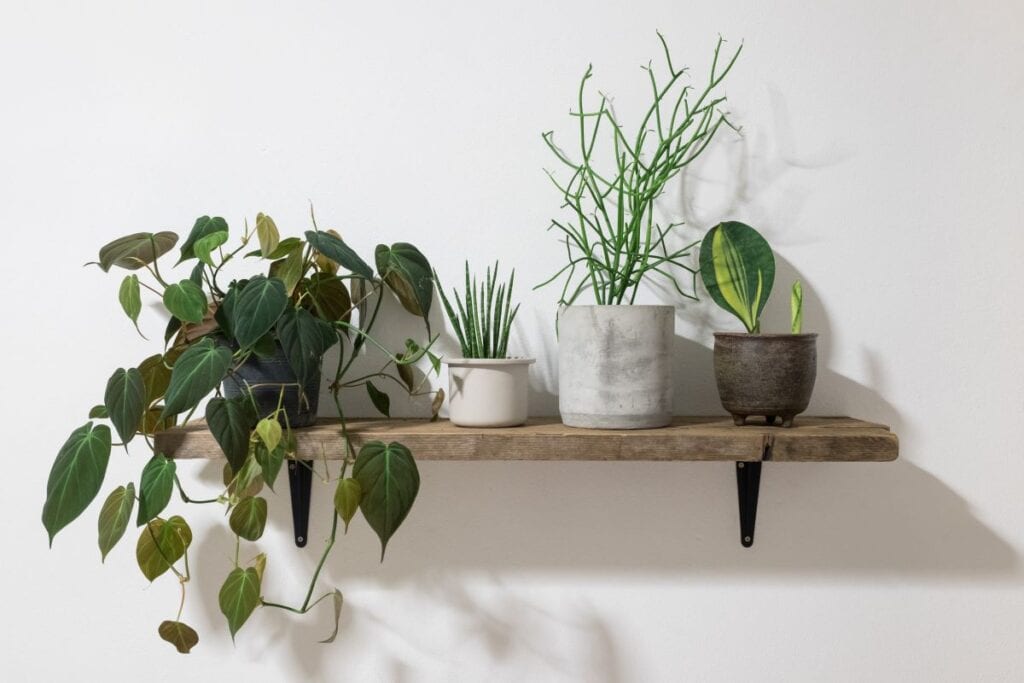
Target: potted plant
{"x": 486, "y": 388}
{"x": 614, "y": 358}
{"x": 757, "y": 374}
{"x": 255, "y": 345}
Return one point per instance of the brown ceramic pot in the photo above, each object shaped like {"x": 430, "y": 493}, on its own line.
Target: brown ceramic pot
{"x": 765, "y": 374}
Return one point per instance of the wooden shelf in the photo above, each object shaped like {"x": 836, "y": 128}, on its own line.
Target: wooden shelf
{"x": 812, "y": 439}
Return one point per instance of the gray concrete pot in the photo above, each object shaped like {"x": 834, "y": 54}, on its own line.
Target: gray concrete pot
{"x": 765, "y": 374}
{"x": 615, "y": 366}
{"x": 267, "y": 377}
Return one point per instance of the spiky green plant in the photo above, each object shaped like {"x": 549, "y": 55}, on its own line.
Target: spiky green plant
{"x": 796, "y": 308}
{"x": 484, "y": 316}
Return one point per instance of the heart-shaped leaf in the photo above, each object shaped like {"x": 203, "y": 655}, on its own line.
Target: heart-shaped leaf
{"x": 155, "y": 488}
{"x": 338, "y": 601}
{"x": 130, "y": 297}
{"x": 248, "y": 481}
{"x": 114, "y": 516}
{"x": 270, "y": 462}
{"x": 407, "y": 272}
{"x": 156, "y": 376}
{"x": 239, "y": 596}
{"x": 186, "y": 301}
{"x": 249, "y": 518}
{"x": 135, "y": 251}
{"x": 257, "y": 309}
{"x": 161, "y": 544}
{"x": 335, "y": 249}
{"x": 389, "y": 480}
{"x": 304, "y": 339}
{"x": 180, "y": 635}
{"x": 269, "y": 431}
{"x": 289, "y": 270}
{"x": 330, "y": 297}
{"x": 98, "y": 413}
{"x": 204, "y": 226}
{"x": 346, "y": 499}
{"x": 266, "y": 231}
{"x": 231, "y": 421}
{"x": 204, "y": 247}
{"x": 381, "y": 401}
{"x": 125, "y": 401}
{"x": 196, "y": 373}
{"x": 76, "y": 476}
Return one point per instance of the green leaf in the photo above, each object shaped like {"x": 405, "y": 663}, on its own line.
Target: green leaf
{"x": 98, "y": 413}
{"x": 266, "y": 231}
{"x": 196, "y": 275}
{"x": 333, "y": 248}
{"x": 156, "y": 377}
{"x": 389, "y": 481}
{"x": 285, "y": 247}
{"x": 186, "y": 301}
{"x": 260, "y": 565}
{"x": 738, "y": 269}
{"x": 338, "y": 601}
{"x": 407, "y": 272}
{"x": 269, "y": 430}
{"x": 346, "y": 499}
{"x": 231, "y": 421}
{"x": 249, "y": 518}
{"x": 304, "y": 339}
{"x": 204, "y": 226}
{"x": 435, "y": 362}
{"x": 270, "y": 462}
{"x": 330, "y": 297}
{"x": 125, "y": 401}
{"x": 114, "y": 516}
{"x": 257, "y": 308}
{"x": 180, "y": 635}
{"x": 239, "y": 596}
{"x": 289, "y": 270}
{"x": 173, "y": 325}
{"x": 76, "y": 476}
{"x": 135, "y": 251}
{"x": 381, "y": 401}
{"x": 204, "y": 247}
{"x": 796, "y": 308}
{"x": 223, "y": 314}
{"x": 161, "y": 544}
{"x": 155, "y": 488}
{"x": 405, "y": 373}
{"x": 248, "y": 481}
{"x": 130, "y": 297}
{"x": 198, "y": 372}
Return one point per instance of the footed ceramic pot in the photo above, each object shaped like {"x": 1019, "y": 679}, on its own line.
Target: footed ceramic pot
{"x": 769, "y": 375}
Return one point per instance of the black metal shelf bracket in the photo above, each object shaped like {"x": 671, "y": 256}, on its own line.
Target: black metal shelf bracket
{"x": 748, "y": 484}
{"x": 300, "y": 484}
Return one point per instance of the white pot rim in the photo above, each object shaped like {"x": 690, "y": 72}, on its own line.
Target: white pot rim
{"x": 486, "y": 362}
{"x": 619, "y": 306}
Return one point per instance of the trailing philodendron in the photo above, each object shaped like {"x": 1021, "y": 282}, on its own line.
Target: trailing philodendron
{"x": 757, "y": 374}
{"x": 615, "y": 368}
{"x": 310, "y": 295}
{"x": 486, "y": 387}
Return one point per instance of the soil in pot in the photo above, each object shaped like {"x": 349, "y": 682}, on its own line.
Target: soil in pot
{"x": 770, "y": 375}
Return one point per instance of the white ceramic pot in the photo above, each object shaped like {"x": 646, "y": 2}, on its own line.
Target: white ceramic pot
{"x": 488, "y": 392}
{"x": 615, "y": 366}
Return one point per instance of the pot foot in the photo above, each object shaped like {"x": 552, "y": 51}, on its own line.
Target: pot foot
{"x": 787, "y": 420}
{"x": 739, "y": 420}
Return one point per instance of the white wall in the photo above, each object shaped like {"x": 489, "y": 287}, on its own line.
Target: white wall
{"x": 883, "y": 158}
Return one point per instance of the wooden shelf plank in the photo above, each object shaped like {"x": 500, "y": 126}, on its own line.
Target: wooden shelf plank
{"x": 813, "y": 439}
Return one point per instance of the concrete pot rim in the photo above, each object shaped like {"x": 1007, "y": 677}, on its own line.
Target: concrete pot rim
{"x": 486, "y": 362}
{"x": 773, "y": 335}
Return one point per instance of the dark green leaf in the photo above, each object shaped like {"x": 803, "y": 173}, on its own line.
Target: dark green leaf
{"x": 225, "y": 311}
{"x": 270, "y": 462}
{"x": 338, "y": 601}
{"x": 204, "y": 246}
{"x": 114, "y": 516}
{"x": 405, "y": 373}
{"x": 239, "y": 596}
{"x": 389, "y": 481}
{"x": 155, "y": 488}
{"x": 173, "y": 325}
{"x": 125, "y": 401}
{"x": 186, "y": 301}
{"x": 204, "y": 226}
{"x": 199, "y": 370}
{"x": 196, "y": 275}
{"x": 130, "y": 297}
{"x": 738, "y": 269}
{"x": 407, "y": 272}
{"x": 98, "y": 412}
{"x": 435, "y": 362}
{"x": 330, "y": 297}
{"x": 231, "y": 421}
{"x": 304, "y": 339}
{"x": 249, "y": 518}
{"x": 266, "y": 231}
{"x": 381, "y": 401}
{"x": 180, "y": 635}
{"x": 346, "y": 499}
{"x": 134, "y": 251}
{"x": 257, "y": 309}
{"x": 265, "y": 346}
{"x": 161, "y": 544}
{"x": 156, "y": 376}
{"x": 333, "y": 248}
{"x": 76, "y": 476}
